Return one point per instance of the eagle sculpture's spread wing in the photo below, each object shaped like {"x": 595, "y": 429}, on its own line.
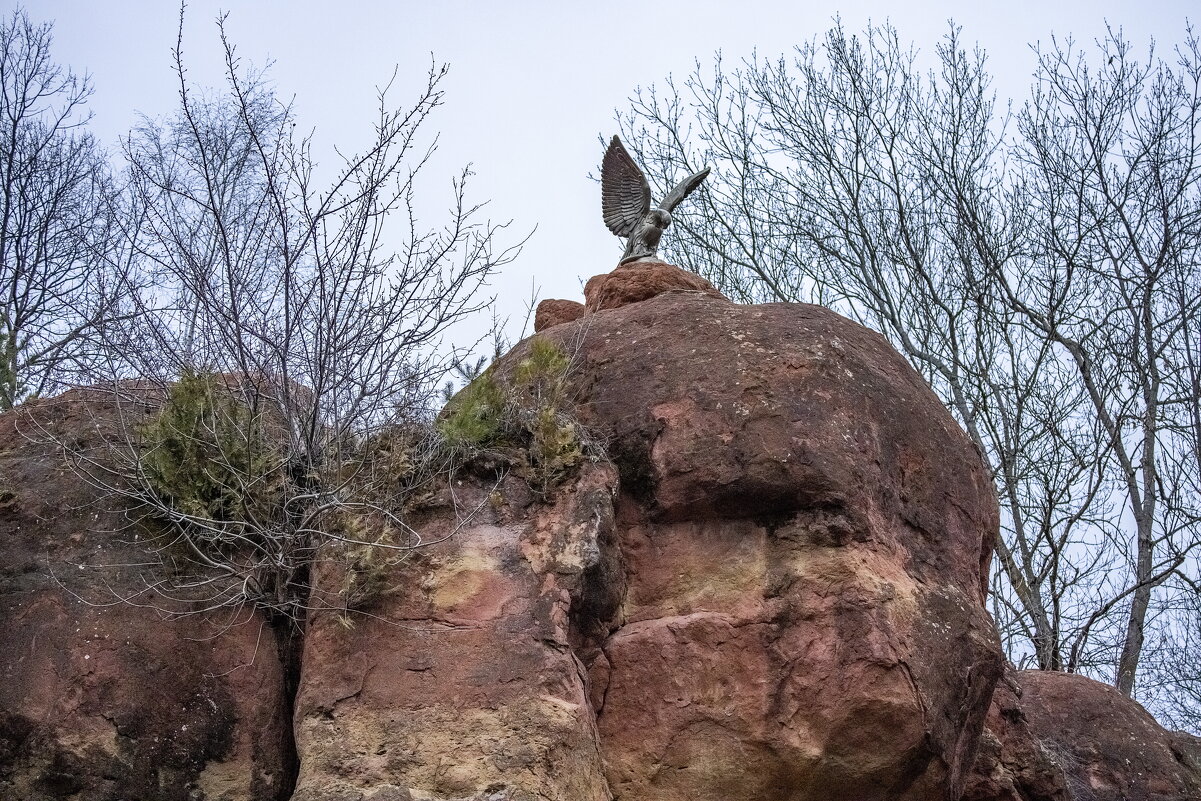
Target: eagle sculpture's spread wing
{"x": 683, "y": 189}
{"x": 625, "y": 194}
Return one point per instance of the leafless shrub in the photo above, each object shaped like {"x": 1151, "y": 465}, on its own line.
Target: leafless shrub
{"x": 293, "y": 350}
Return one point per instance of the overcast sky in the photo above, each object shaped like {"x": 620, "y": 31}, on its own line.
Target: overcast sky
{"x": 532, "y": 84}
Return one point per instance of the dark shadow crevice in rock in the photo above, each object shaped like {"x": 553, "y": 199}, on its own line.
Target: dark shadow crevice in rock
{"x": 290, "y": 646}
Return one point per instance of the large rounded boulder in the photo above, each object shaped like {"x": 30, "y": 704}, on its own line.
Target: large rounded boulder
{"x": 774, "y": 591}
{"x": 805, "y": 534}
{"x": 1053, "y": 736}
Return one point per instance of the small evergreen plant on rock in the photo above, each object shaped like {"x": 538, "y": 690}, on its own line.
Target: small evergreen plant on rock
{"x": 240, "y": 514}
{"x": 524, "y": 415}
{"x": 210, "y": 459}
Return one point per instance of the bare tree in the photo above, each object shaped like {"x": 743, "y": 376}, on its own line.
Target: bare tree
{"x": 1113, "y": 160}
{"x": 305, "y": 318}
{"x": 1037, "y": 283}
{"x": 1171, "y": 675}
{"x": 60, "y": 284}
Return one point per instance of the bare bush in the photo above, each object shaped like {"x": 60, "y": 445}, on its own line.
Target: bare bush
{"x": 293, "y": 347}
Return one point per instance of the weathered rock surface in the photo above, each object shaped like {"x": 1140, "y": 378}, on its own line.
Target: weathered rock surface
{"x": 771, "y": 588}
{"x": 1059, "y": 737}
{"x": 641, "y": 280}
{"x": 1011, "y": 764}
{"x": 806, "y": 534}
{"x": 628, "y": 283}
{"x": 464, "y": 684}
{"x": 115, "y": 702}
{"x": 779, "y": 598}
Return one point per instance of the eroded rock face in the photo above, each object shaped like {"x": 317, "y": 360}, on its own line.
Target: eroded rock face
{"x": 1011, "y": 764}
{"x": 806, "y": 535}
{"x": 776, "y": 593}
{"x": 1060, "y": 737}
{"x": 628, "y": 283}
{"x": 641, "y": 280}
{"x": 115, "y": 701}
{"x": 463, "y": 684}
{"x": 556, "y": 312}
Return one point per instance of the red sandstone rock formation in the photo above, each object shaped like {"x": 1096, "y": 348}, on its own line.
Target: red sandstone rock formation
{"x": 641, "y": 280}
{"x": 773, "y": 589}
{"x": 466, "y": 684}
{"x": 1061, "y": 737}
{"x": 628, "y": 283}
{"x": 802, "y": 526}
{"x": 797, "y": 527}
{"x": 116, "y": 701}
{"x": 554, "y": 312}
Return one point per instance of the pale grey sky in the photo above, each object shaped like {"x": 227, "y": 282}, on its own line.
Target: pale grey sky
{"x": 531, "y": 86}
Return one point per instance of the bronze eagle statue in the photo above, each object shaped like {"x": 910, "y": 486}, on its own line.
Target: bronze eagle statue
{"x": 626, "y": 202}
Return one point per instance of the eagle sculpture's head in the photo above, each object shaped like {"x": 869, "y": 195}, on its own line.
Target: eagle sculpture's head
{"x": 659, "y": 218}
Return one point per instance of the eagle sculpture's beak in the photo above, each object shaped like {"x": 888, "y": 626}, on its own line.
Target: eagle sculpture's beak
{"x": 661, "y": 219}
